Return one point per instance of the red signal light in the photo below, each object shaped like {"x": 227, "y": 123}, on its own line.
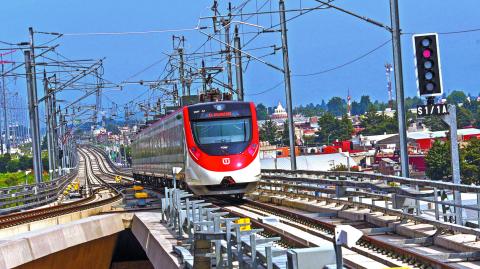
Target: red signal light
{"x": 427, "y": 53}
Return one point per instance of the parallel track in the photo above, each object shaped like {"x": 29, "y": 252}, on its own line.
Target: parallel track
{"x": 95, "y": 199}
{"x": 386, "y": 253}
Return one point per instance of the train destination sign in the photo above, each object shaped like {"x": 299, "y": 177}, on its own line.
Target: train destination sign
{"x": 429, "y": 110}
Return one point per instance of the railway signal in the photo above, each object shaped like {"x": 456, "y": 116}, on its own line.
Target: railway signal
{"x": 427, "y": 61}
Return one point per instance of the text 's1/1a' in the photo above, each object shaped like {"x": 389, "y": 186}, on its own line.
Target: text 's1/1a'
{"x": 428, "y": 110}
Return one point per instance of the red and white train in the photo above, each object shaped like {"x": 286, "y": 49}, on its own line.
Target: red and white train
{"x": 216, "y": 144}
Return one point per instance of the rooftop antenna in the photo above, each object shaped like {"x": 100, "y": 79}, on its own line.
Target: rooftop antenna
{"x": 388, "y": 72}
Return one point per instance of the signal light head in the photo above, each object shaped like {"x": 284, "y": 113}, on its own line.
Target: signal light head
{"x": 427, "y": 53}
{"x": 429, "y": 87}
{"x": 428, "y": 75}
{"x": 426, "y": 42}
{"x": 427, "y": 59}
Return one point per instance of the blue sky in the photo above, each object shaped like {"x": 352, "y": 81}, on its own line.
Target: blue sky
{"x": 318, "y": 41}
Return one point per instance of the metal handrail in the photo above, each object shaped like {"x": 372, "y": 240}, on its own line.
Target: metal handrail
{"x": 380, "y": 177}
{"x": 348, "y": 184}
{"x": 28, "y": 196}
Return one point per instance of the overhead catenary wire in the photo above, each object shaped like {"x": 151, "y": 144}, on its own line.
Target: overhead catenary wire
{"x": 136, "y": 32}
{"x": 267, "y": 90}
{"x": 344, "y": 64}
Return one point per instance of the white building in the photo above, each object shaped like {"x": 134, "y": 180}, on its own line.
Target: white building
{"x": 322, "y": 162}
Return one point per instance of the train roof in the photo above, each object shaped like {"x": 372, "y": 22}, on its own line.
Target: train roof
{"x": 179, "y": 109}
{"x": 219, "y": 102}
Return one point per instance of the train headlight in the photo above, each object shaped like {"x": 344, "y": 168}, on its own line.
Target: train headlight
{"x": 252, "y": 149}
{"x": 195, "y": 152}
{"x": 219, "y": 107}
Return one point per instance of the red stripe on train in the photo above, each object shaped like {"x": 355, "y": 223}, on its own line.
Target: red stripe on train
{"x": 222, "y": 163}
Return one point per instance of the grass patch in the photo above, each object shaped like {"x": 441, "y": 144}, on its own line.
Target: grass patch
{"x": 18, "y": 178}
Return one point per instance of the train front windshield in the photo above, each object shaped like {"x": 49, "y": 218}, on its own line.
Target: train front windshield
{"x": 222, "y": 131}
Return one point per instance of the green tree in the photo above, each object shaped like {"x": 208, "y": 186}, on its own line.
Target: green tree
{"x": 343, "y": 167}
{"x": 378, "y": 123}
{"x": 11, "y": 180}
{"x": 309, "y": 110}
{"x": 44, "y": 144}
{"x": 309, "y": 140}
{"x": 4, "y": 160}
{"x": 285, "y": 134}
{"x": 262, "y": 113}
{"x": 25, "y": 162}
{"x": 337, "y": 106}
{"x": 13, "y": 166}
{"x": 413, "y": 102}
{"x": 365, "y": 103}
{"x": 268, "y": 132}
{"x": 332, "y": 128}
{"x": 356, "y": 110}
{"x": 456, "y": 97}
{"x": 345, "y": 129}
{"x": 435, "y": 124}
{"x": 471, "y": 162}
{"x": 113, "y": 128}
{"x": 438, "y": 161}
{"x": 323, "y": 105}
{"x": 464, "y": 117}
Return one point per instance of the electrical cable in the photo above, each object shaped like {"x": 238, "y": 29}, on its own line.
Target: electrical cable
{"x": 137, "y": 32}
{"x": 146, "y": 68}
{"x": 344, "y": 64}
{"x": 267, "y": 90}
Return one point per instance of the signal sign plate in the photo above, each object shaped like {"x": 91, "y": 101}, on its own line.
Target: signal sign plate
{"x": 429, "y": 110}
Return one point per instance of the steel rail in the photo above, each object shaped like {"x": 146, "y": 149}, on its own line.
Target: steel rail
{"x": 280, "y": 176}
{"x": 49, "y": 212}
{"x": 426, "y": 260}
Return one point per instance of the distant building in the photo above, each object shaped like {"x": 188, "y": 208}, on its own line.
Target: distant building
{"x": 324, "y": 162}
{"x": 280, "y": 113}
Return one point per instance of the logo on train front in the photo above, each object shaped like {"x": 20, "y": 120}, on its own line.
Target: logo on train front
{"x": 226, "y": 161}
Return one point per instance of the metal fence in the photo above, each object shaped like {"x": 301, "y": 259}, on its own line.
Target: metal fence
{"x": 21, "y": 197}
{"x": 405, "y": 197}
{"x": 235, "y": 245}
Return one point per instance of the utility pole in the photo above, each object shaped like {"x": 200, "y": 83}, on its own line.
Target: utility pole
{"x": 228, "y": 57}
{"x": 5, "y": 118}
{"x": 53, "y": 105}
{"x": 181, "y": 70}
{"x": 1, "y": 138}
{"x": 288, "y": 88}
{"x": 62, "y": 141}
{"x": 33, "y": 112}
{"x": 51, "y": 122}
{"x": 98, "y": 99}
{"x": 204, "y": 77}
{"x": 398, "y": 72}
{"x": 451, "y": 120}
{"x": 34, "y": 80}
{"x": 48, "y": 125}
{"x": 238, "y": 65}
{"x": 189, "y": 81}
{"x": 35, "y": 125}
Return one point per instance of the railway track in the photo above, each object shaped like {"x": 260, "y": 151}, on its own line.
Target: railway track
{"x": 378, "y": 248}
{"x": 101, "y": 193}
{"x": 299, "y": 230}
{"x": 385, "y": 247}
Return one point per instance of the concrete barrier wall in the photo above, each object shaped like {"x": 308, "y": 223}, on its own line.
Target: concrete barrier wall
{"x": 66, "y": 218}
{"x": 84, "y": 234}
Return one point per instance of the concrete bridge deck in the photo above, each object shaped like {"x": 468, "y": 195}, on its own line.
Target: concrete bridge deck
{"x": 93, "y": 242}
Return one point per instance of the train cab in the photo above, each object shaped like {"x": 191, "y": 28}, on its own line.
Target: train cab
{"x": 222, "y": 142}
